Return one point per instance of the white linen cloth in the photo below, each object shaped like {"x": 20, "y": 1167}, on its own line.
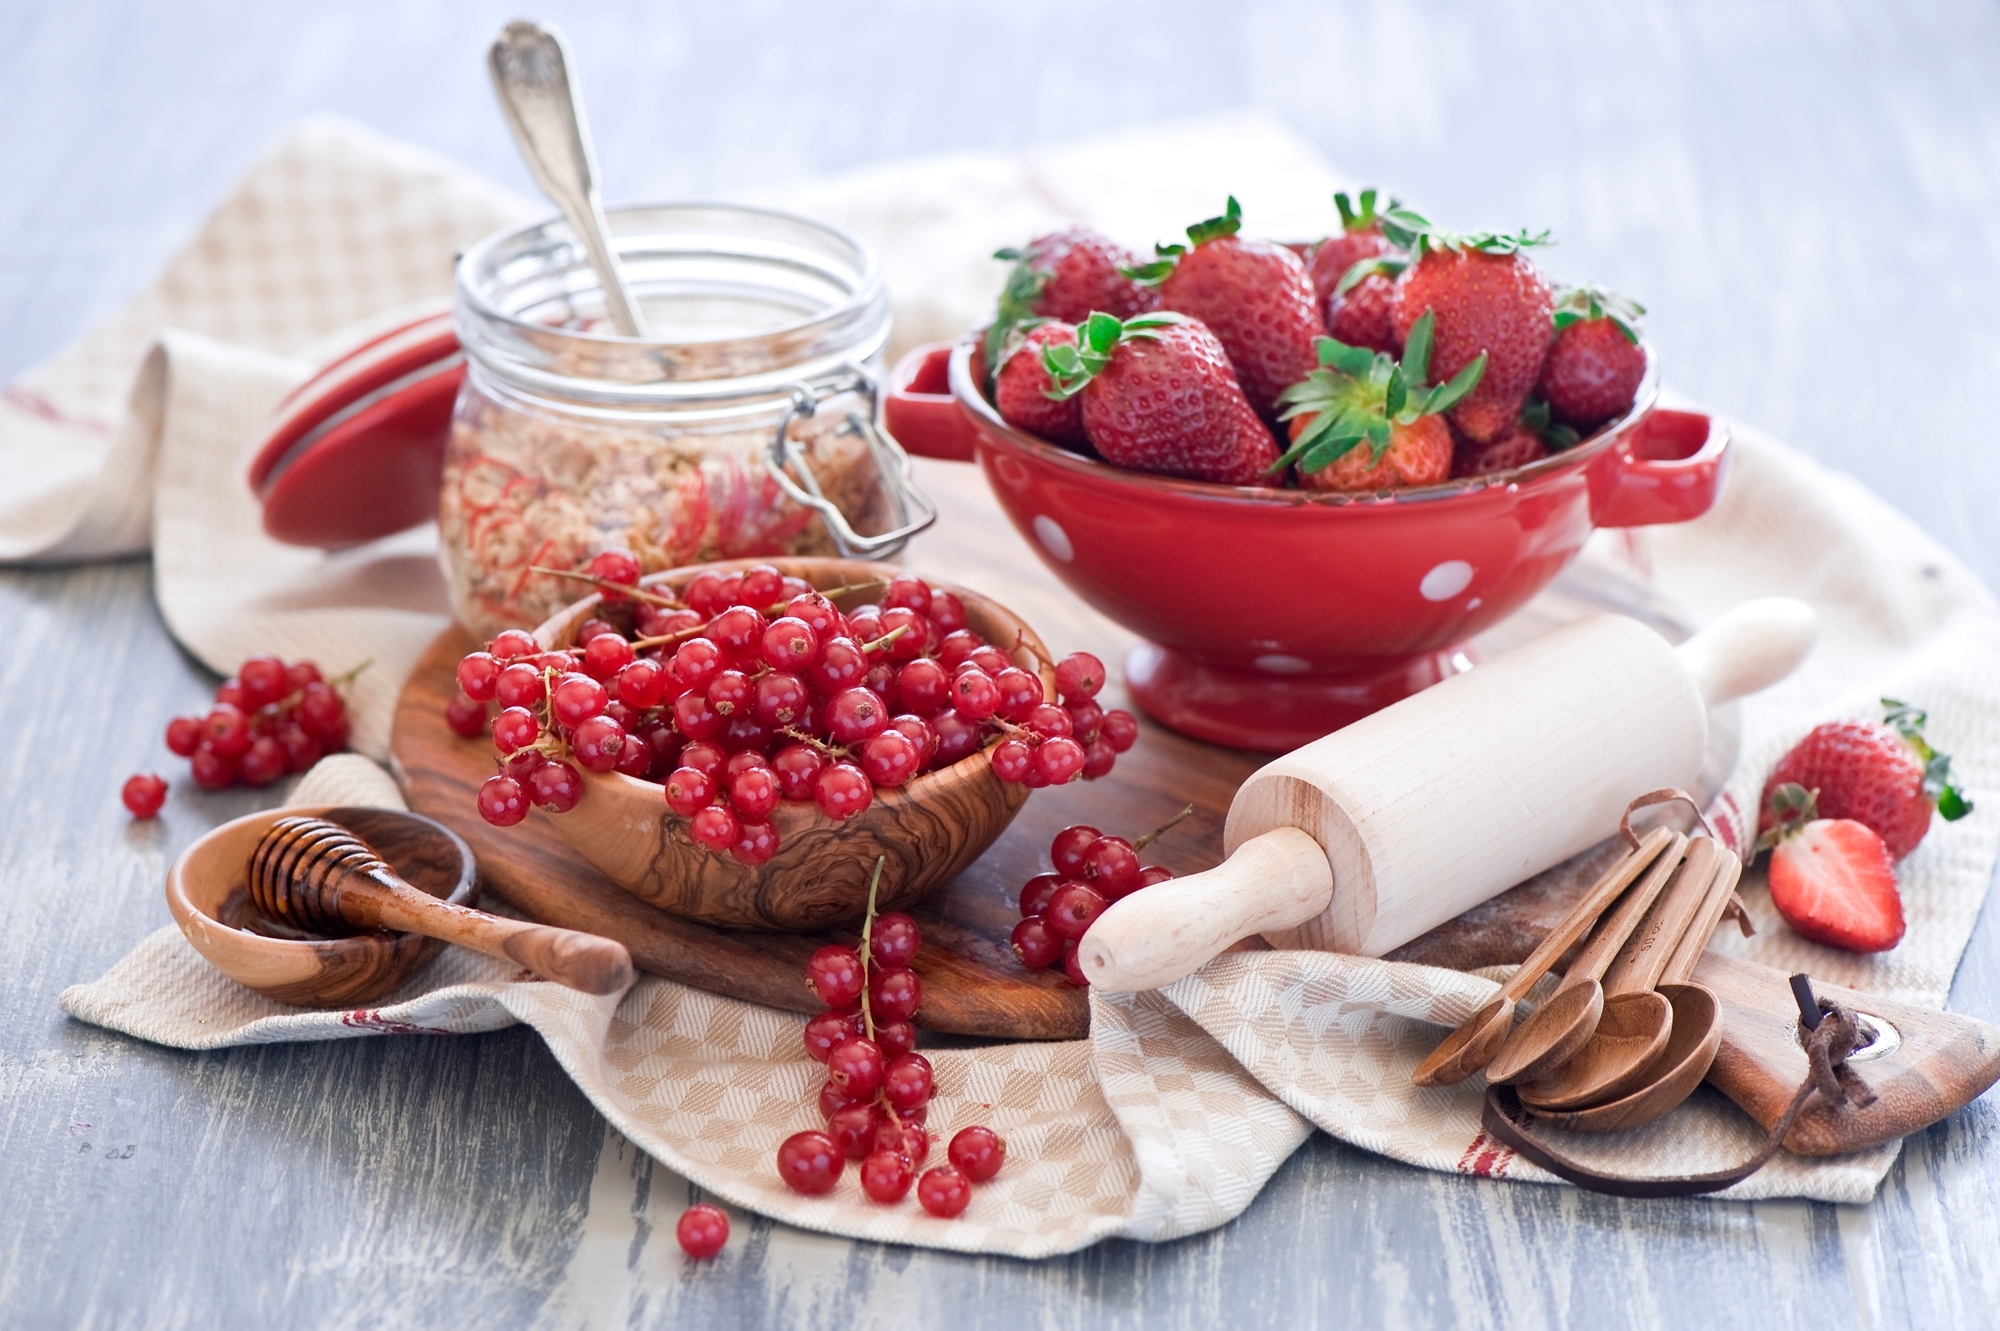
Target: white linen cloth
{"x": 1174, "y": 1112}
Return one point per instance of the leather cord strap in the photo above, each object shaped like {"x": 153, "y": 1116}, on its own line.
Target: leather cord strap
{"x": 1827, "y": 1046}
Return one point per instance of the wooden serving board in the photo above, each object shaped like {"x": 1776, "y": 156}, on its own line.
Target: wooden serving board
{"x": 973, "y": 985}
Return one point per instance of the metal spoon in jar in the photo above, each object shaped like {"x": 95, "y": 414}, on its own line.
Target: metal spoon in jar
{"x": 530, "y": 67}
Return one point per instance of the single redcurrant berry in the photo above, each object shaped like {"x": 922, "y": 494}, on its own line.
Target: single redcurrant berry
{"x": 702, "y": 1231}
{"x": 1012, "y": 760}
{"x": 908, "y": 591}
{"x": 1072, "y": 966}
{"x": 577, "y": 698}
{"x": 635, "y": 757}
{"x": 696, "y": 662}
{"x": 944, "y": 1192}
{"x": 1049, "y": 721}
{"x": 729, "y": 692}
{"x": 144, "y": 795}
{"x": 974, "y": 695}
{"x": 841, "y": 664}
{"x": 478, "y": 676}
{"x": 1035, "y": 894}
{"x": 183, "y": 735}
{"x": 893, "y": 940}
{"x": 598, "y": 743}
{"x": 1151, "y": 874}
{"x": 696, "y": 718}
{"x": 1078, "y": 676}
{"x": 881, "y": 681}
{"x": 761, "y": 585}
{"x": 895, "y": 1037}
{"x": 689, "y": 790}
{"x": 1020, "y": 693}
{"x": 1073, "y": 908}
{"x": 263, "y": 762}
{"x": 615, "y": 566}
{"x": 605, "y": 655}
{"x": 520, "y": 685}
{"x": 1119, "y": 729}
{"x": 842, "y": 790}
{"x": 957, "y": 648}
{"x": 642, "y": 685}
{"x": 831, "y": 1098}
{"x": 1098, "y": 759}
{"x": 947, "y": 612}
{"x": 744, "y": 732}
{"x": 714, "y": 828}
{"x": 856, "y": 715}
{"x": 977, "y": 1152}
{"x": 780, "y": 699}
{"x": 753, "y": 793}
{"x": 555, "y": 786}
{"x": 211, "y": 770}
{"x": 789, "y": 644}
{"x": 959, "y": 737}
{"x": 704, "y": 594}
{"x": 904, "y": 1134}
{"x": 515, "y": 728}
{"x": 923, "y": 686}
{"x": 512, "y": 643}
{"x": 756, "y": 842}
{"x": 737, "y": 631}
{"x": 301, "y": 673}
{"x": 894, "y": 995}
{"x": 466, "y": 718}
{"x": 262, "y": 678}
{"x": 796, "y": 766}
{"x": 826, "y": 1029}
{"x": 920, "y": 733}
{"x": 835, "y": 975}
{"x": 853, "y": 1127}
{"x": 226, "y": 730}
{"x": 991, "y": 659}
{"x": 856, "y": 1065}
{"x": 1070, "y": 850}
{"x": 708, "y": 759}
{"x": 905, "y": 634}
{"x": 592, "y": 627}
{"x": 1086, "y": 720}
{"x": 502, "y": 802}
{"x": 1112, "y": 865}
{"x": 1059, "y": 760}
{"x": 886, "y": 1177}
{"x": 521, "y": 765}
{"x": 810, "y": 1163}
{"x": 302, "y": 750}
{"x": 891, "y": 758}
{"x": 907, "y": 1081}
{"x": 818, "y": 614}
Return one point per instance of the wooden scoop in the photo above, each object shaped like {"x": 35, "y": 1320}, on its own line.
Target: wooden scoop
{"x": 1560, "y": 1026}
{"x": 1697, "y": 1027}
{"x": 1472, "y": 1046}
{"x": 1636, "y": 1021}
{"x": 320, "y": 877}
{"x": 1363, "y": 840}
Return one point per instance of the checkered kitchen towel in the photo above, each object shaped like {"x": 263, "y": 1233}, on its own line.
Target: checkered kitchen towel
{"x": 1170, "y": 1117}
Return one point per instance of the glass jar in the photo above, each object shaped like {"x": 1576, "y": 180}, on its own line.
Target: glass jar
{"x": 742, "y": 425}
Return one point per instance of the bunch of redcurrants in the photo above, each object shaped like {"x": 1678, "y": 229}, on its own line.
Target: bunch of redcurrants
{"x": 1092, "y": 870}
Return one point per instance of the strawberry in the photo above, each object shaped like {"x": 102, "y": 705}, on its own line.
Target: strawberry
{"x": 1025, "y": 394}
{"x": 1159, "y": 395}
{"x": 1885, "y": 775}
{"x": 1253, "y": 296}
{"x": 1367, "y": 422}
{"x": 1487, "y": 299}
{"x": 1516, "y": 448}
{"x": 1360, "y": 238}
{"x": 1833, "y": 881}
{"x": 1065, "y": 275}
{"x": 1595, "y": 363}
{"x": 1363, "y": 314}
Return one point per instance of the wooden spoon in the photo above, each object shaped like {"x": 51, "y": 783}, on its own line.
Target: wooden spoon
{"x": 1560, "y": 1026}
{"x": 322, "y": 878}
{"x": 1637, "y": 1021}
{"x": 1472, "y": 1046}
{"x": 1697, "y": 1028}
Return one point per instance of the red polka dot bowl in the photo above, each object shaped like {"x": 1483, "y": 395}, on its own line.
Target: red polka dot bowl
{"x": 1270, "y": 617}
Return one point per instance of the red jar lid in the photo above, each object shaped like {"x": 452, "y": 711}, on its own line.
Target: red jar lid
{"x": 357, "y": 451}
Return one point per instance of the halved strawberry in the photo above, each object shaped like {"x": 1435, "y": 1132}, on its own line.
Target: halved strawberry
{"x": 1833, "y": 881}
{"x": 1366, "y": 422}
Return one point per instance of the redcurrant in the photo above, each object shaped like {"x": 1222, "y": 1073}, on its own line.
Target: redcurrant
{"x": 893, "y": 940}
{"x": 515, "y": 728}
{"x": 598, "y": 743}
{"x": 714, "y": 828}
{"x": 617, "y": 566}
{"x": 944, "y": 1192}
{"x": 907, "y": 1081}
{"x": 478, "y": 675}
{"x": 702, "y": 1231}
{"x": 555, "y": 786}
{"x": 1035, "y": 894}
{"x": 1073, "y": 908}
{"x": 144, "y": 795}
{"x": 841, "y": 790}
{"x": 1078, "y": 676}
{"x": 502, "y": 802}
{"x": 466, "y": 718}
{"x": 809, "y": 1162}
{"x": 894, "y": 995}
{"x": 886, "y": 1176}
{"x": 855, "y": 1065}
{"x": 977, "y": 1152}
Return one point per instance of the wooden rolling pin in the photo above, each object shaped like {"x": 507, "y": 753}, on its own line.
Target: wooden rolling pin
{"x": 320, "y": 877}
{"x": 1363, "y": 840}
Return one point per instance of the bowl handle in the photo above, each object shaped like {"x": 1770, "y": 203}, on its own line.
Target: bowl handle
{"x": 919, "y": 409}
{"x": 1670, "y": 467}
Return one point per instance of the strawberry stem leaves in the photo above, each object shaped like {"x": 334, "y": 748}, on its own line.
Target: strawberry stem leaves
{"x": 1358, "y": 394}
{"x": 1070, "y": 368}
{"x": 1580, "y": 304}
{"x": 1908, "y": 722}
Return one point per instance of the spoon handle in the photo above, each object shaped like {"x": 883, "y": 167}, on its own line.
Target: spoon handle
{"x": 1639, "y": 963}
{"x": 531, "y": 76}
{"x": 380, "y": 900}
{"x": 1584, "y": 914}
{"x": 1615, "y": 928}
{"x": 1694, "y": 939}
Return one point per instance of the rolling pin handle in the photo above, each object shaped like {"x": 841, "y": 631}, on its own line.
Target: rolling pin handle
{"x": 1278, "y": 880}
{"x": 1750, "y": 648}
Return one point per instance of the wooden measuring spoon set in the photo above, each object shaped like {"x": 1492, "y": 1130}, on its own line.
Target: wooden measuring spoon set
{"x": 1627, "y": 1034}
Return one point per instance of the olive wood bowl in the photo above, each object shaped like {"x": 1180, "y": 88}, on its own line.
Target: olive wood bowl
{"x": 208, "y": 894}
{"x": 926, "y": 832}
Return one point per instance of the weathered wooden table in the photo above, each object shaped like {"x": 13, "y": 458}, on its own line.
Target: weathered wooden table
{"x": 1804, "y": 197}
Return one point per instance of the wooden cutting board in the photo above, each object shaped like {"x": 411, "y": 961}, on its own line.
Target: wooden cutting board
{"x": 973, "y": 984}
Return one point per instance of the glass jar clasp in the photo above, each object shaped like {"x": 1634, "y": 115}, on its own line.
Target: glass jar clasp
{"x": 911, "y": 509}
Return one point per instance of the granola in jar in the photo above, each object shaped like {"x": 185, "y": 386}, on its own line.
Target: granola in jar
{"x": 566, "y": 442}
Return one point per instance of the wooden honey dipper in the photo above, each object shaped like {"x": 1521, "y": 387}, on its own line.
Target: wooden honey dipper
{"x": 320, "y": 877}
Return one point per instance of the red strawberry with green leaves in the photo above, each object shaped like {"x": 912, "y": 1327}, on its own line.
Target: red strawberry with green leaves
{"x": 1357, "y": 312}
{"x": 1488, "y": 299}
{"x": 1883, "y": 774}
{"x": 1595, "y": 363}
{"x": 1832, "y": 878}
{"x": 1025, "y": 394}
{"x": 1252, "y": 295}
{"x": 1364, "y": 421}
{"x": 1066, "y": 275}
{"x": 1159, "y": 395}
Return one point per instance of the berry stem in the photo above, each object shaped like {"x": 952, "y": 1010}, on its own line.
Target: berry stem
{"x": 879, "y": 643}
{"x": 681, "y": 635}
{"x": 867, "y": 933}
{"x": 812, "y": 741}
{"x": 348, "y": 676}
{"x": 1157, "y": 832}
{"x": 607, "y": 585}
{"x": 1021, "y": 641}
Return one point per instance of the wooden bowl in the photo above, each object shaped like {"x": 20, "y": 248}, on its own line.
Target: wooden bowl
{"x": 927, "y": 832}
{"x": 208, "y": 893}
